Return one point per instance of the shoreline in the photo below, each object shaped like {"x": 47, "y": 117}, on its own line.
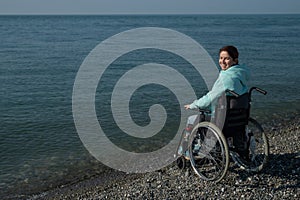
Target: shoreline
{"x": 279, "y": 179}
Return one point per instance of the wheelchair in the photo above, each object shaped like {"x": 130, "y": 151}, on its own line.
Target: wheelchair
{"x": 210, "y": 149}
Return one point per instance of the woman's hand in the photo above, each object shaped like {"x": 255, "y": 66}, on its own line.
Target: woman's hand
{"x": 187, "y": 107}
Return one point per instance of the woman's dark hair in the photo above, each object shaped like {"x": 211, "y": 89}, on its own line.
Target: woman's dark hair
{"x": 232, "y": 51}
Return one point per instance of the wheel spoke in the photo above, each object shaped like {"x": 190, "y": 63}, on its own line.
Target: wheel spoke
{"x": 258, "y": 148}
{"x": 209, "y": 152}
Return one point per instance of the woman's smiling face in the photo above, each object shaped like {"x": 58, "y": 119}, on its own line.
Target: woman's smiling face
{"x": 225, "y": 60}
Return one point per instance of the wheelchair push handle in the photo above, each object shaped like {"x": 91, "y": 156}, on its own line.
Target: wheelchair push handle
{"x": 233, "y": 93}
{"x": 258, "y": 90}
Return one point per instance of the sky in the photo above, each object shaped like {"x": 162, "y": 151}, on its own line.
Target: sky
{"x": 149, "y": 6}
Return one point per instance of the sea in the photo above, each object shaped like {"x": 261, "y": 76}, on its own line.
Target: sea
{"x": 40, "y": 56}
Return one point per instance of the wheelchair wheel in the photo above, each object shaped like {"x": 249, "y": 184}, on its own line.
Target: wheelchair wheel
{"x": 258, "y": 149}
{"x": 208, "y": 151}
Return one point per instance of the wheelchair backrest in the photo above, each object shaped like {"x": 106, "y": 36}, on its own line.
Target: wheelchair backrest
{"x": 237, "y": 112}
{"x": 241, "y": 102}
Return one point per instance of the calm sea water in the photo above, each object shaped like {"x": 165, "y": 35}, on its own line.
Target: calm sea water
{"x": 40, "y": 56}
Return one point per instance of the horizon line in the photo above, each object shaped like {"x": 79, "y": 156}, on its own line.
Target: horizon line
{"x": 250, "y": 13}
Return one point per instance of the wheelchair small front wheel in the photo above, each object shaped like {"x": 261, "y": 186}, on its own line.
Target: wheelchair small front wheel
{"x": 208, "y": 151}
{"x": 258, "y": 146}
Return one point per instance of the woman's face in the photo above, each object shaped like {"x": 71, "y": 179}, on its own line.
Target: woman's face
{"x": 225, "y": 61}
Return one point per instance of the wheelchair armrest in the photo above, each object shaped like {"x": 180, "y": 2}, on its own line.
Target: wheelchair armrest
{"x": 233, "y": 93}
{"x": 204, "y": 111}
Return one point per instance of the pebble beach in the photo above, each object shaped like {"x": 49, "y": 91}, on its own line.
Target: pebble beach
{"x": 280, "y": 179}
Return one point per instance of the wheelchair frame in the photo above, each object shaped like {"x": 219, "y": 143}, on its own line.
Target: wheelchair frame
{"x": 210, "y": 153}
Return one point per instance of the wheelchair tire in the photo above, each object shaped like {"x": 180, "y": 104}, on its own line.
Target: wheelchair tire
{"x": 258, "y": 149}
{"x": 208, "y": 151}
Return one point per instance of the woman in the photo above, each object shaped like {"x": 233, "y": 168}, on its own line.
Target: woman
{"x": 232, "y": 77}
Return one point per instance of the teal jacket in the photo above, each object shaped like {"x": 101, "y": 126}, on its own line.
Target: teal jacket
{"x": 235, "y": 78}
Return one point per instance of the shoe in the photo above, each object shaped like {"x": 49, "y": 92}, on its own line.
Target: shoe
{"x": 244, "y": 154}
{"x": 181, "y": 162}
